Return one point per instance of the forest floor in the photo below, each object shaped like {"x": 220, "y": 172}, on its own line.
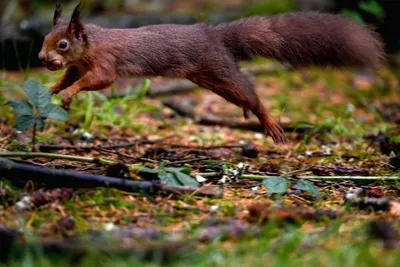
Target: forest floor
{"x": 341, "y": 127}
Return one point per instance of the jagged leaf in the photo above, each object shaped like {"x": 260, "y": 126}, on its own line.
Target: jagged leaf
{"x": 276, "y": 185}
{"x": 168, "y": 178}
{"x": 184, "y": 170}
{"x": 38, "y": 94}
{"x": 185, "y": 179}
{"x": 53, "y": 111}
{"x": 21, "y": 107}
{"x": 309, "y": 187}
{"x": 24, "y": 122}
{"x": 372, "y": 7}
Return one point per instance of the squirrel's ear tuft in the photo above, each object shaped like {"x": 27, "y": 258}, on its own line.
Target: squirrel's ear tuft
{"x": 75, "y": 25}
{"x": 57, "y": 13}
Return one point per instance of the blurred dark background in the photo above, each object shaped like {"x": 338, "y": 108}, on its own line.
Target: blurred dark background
{"x": 24, "y": 23}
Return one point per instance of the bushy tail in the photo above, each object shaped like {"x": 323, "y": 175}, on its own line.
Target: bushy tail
{"x": 303, "y": 39}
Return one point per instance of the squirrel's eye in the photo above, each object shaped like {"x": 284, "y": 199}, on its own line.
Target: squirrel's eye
{"x": 63, "y": 45}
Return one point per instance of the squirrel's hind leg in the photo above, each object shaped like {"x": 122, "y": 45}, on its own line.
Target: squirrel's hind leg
{"x": 237, "y": 89}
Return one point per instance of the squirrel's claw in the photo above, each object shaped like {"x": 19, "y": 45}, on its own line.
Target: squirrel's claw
{"x": 66, "y": 99}
{"x": 277, "y": 133}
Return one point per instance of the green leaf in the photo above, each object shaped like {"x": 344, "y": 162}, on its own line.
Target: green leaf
{"x": 309, "y": 187}
{"x": 372, "y": 7}
{"x": 352, "y": 14}
{"x": 168, "y": 178}
{"x": 6, "y": 161}
{"x": 184, "y": 170}
{"x": 24, "y": 122}
{"x": 143, "y": 89}
{"x": 38, "y": 94}
{"x": 185, "y": 179}
{"x": 55, "y": 112}
{"x": 21, "y": 107}
{"x": 276, "y": 184}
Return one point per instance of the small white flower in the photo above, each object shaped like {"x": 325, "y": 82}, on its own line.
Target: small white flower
{"x": 24, "y": 204}
{"x": 258, "y": 136}
{"x": 109, "y": 226}
{"x": 214, "y": 208}
{"x": 200, "y": 179}
{"x": 223, "y": 180}
{"x": 351, "y": 108}
{"x": 254, "y": 189}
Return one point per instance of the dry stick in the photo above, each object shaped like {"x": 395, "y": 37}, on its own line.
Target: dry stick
{"x": 211, "y": 120}
{"x": 62, "y": 178}
{"x": 46, "y": 148}
{"x": 314, "y": 177}
{"x": 28, "y": 155}
{"x": 101, "y": 161}
{"x": 329, "y": 178}
{"x": 201, "y": 147}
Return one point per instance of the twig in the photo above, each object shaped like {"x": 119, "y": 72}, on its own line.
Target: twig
{"x": 186, "y": 161}
{"x": 62, "y": 178}
{"x": 184, "y": 109}
{"x": 47, "y": 148}
{"x": 204, "y": 190}
{"x": 174, "y": 87}
{"x": 201, "y": 147}
{"x": 54, "y": 156}
{"x": 329, "y": 178}
{"x": 351, "y": 178}
{"x": 17, "y": 172}
{"x": 313, "y": 177}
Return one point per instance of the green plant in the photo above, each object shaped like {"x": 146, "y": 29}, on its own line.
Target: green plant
{"x": 171, "y": 176}
{"x": 371, "y": 6}
{"x": 280, "y": 185}
{"x": 34, "y": 112}
{"x": 115, "y": 111}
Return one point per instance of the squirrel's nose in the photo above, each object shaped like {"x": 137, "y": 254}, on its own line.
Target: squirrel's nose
{"x": 42, "y": 57}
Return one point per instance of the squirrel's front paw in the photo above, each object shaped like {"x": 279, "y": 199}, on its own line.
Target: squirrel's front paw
{"x": 55, "y": 89}
{"x": 66, "y": 99}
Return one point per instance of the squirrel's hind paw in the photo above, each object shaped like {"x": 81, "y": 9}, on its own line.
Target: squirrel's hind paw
{"x": 277, "y": 133}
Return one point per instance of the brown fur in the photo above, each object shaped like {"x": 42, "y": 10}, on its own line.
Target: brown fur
{"x": 206, "y": 55}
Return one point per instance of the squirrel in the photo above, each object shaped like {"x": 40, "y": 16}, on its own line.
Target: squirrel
{"x": 207, "y": 55}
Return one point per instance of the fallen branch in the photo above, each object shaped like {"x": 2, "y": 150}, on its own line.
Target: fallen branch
{"x": 17, "y": 172}
{"x": 48, "y": 148}
{"x": 351, "y": 178}
{"x": 186, "y": 110}
{"x": 27, "y": 155}
{"x": 61, "y": 178}
{"x": 313, "y": 177}
{"x": 173, "y": 87}
{"x": 330, "y": 178}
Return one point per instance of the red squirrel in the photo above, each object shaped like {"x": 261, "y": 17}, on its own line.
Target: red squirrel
{"x": 207, "y": 55}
